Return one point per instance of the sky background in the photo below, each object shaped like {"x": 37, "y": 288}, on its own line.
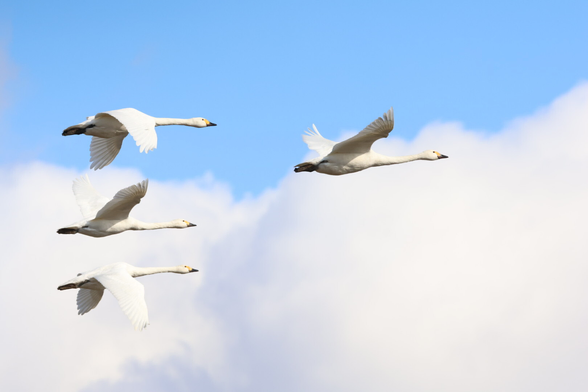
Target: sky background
{"x": 459, "y": 275}
{"x": 265, "y": 73}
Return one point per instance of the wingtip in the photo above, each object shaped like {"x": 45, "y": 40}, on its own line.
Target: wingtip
{"x": 96, "y": 165}
{"x": 312, "y": 132}
{"x": 83, "y": 177}
{"x": 390, "y": 114}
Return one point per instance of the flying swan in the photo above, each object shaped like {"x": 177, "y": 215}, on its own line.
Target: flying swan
{"x": 355, "y": 154}
{"x": 104, "y": 217}
{"x": 110, "y": 128}
{"x": 118, "y": 279}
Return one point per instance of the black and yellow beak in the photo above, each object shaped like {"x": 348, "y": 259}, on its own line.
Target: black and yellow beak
{"x": 193, "y": 270}
{"x": 441, "y": 156}
{"x": 191, "y": 224}
{"x": 210, "y": 124}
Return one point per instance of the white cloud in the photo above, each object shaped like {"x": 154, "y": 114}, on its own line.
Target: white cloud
{"x": 460, "y": 275}
{"x": 44, "y": 330}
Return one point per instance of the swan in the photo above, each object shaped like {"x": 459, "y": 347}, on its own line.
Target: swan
{"x": 110, "y": 128}
{"x": 118, "y": 279}
{"x": 104, "y": 217}
{"x": 355, "y": 154}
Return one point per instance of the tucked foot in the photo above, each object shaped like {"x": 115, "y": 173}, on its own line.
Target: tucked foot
{"x": 67, "y": 230}
{"x": 76, "y": 130}
{"x": 73, "y": 131}
{"x": 67, "y": 286}
{"x": 306, "y": 166}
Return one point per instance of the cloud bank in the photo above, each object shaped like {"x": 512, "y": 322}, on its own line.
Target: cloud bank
{"x": 459, "y": 275}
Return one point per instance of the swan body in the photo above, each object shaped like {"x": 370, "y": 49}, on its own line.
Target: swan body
{"x": 118, "y": 279}
{"x": 110, "y": 128}
{"x": 104, "y": 217}
{"x": 355, "y": 154}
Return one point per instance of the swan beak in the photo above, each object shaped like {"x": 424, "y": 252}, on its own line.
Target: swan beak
{"x": 211, "y": 124}
{"x": 193, "y": 270}
{"x": 443, "y": 156}
{"x": 191, "y": 224}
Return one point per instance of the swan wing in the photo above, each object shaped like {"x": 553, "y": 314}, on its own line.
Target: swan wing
{"x": 315, "y": 141}
{"x": 362, "y": 142}
{"x": 123, "y": 202}
{"x": 88, "y": 199}
{"x": 104, "y": 150}
{"x": 88, "y": 299}
{"x": 130, "y": 295}
{"x": 140, "y": 125}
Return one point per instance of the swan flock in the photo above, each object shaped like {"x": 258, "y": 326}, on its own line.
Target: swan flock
{"x": 103, "y": 217}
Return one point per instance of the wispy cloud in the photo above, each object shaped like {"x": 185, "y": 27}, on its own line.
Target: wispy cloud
{"x": 460, "y": 275}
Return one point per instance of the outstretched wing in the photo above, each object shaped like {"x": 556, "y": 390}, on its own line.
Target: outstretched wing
{"x": 88, "y": 299}
{"x": 130, "y": 295}
{"x": 362, "y": 142}
{"x": 140, "y": 125}
{"x": 123, "y": 202}
{"x": 88, "y": 199}
{"x": 315, "y": 141}
{"x": 104, "y": 150}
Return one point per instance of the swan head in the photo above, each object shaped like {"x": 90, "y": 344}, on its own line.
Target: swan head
{"x": 185, "y": 269}
{"x": 184, "y": 223}
{"x": 431, "y": 155}
{"x": 179, "y": 224}
{"x": 200, "y": 122}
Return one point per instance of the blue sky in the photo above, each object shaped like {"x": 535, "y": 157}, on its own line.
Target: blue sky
{"x": 470, "y": 270}
{"x": 265, "y": 71}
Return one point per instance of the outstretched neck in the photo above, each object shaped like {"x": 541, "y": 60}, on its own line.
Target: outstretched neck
{"x": 172, "y": 121}
{"x": 382, "y": 160}
{"x": 142, "y": 271}
{"x": 138, "y": 225}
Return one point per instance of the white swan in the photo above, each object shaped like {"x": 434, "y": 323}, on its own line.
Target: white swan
{"x": 355, "y": 153}
{"x": 104, "y": 217}
{"x": 110, "y": 128}
{"x": 118, "y": 279}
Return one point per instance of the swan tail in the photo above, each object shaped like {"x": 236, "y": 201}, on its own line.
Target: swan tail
{"x": 68, "y": 230}
{"x": 306, "y": 166}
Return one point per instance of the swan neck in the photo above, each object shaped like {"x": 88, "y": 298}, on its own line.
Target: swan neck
{"x": 142, "y": 271}
{"x": 386, "y": 160}
{"x": 154, "y": 226}
{"x": 171, "y": 121}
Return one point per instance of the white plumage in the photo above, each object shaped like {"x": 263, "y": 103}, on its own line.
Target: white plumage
{"x": 355, "y": 154}
{"x": 110, "y": 128}
{"x": 118, "y": 279}
{"x": 104, "y": 217}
